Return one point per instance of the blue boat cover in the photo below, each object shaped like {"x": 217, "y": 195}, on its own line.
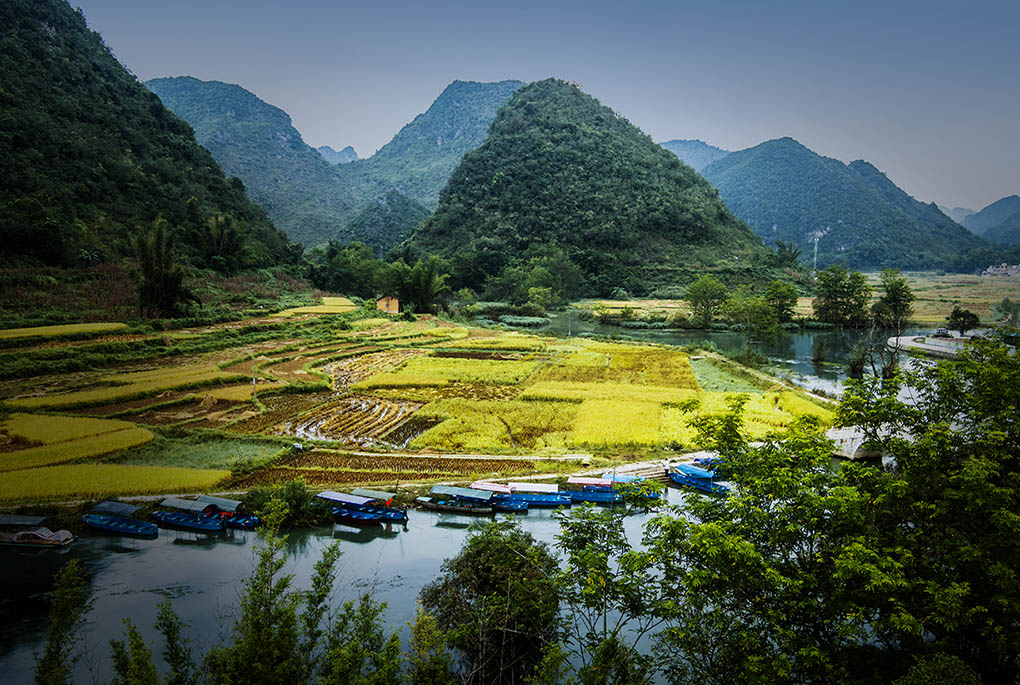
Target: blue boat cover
{"x": 115, "y": 508}
{"x": 222, "y": 502}
{"x": 622, "y": 477}
{"x": 187, "y": 505}
{"x": 374, "y": 494}
{"x": 462, "y": 493}
{"x": 695, "y": 471}
{"x": 344, "y": 498}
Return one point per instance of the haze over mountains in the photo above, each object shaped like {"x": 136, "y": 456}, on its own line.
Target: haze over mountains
{"x": 310, "y": 196}
{"x": 786, "y": 192}
{"x": 337, "y": 156}
{"x": 999, "y": 222}
{"x": 696, "y": 154}
{"x": 562, "y": 179}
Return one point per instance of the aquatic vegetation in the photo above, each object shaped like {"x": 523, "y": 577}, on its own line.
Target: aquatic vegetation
{"x": 103, "y": 480}
{"x": 73, "y": 450}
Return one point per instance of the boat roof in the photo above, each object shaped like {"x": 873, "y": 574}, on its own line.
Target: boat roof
{"x": 465, "y": 493}
{"x": 13, "y": 520}
{"x": 186, "y": 504}
{"x": 492, "y": 487}
{"x": 45, "y": 534}
{"x": 696, "y": 471}
{"x": 345, "y": 498}
{"x": 550, "y": 488}
{"x": 622, "y": 477}
{"x": 381, "y": 495}
{"x": 115, "y": 508}
{"x": 222, "y": 502}
{"x": 584, "y": 480}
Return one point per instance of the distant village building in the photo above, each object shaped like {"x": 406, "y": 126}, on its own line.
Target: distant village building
{"x": 388, "y": 304}
{"x": 1002, "y": 270}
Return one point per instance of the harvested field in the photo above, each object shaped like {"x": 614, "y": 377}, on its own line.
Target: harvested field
{"x": 279, "y": 409}
{"x": 321, "y": 459}
{"x": 350, "y": 370}
{"x": 357, "y": 420}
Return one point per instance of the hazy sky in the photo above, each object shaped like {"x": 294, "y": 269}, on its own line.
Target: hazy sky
{"x": 928, "y": 91}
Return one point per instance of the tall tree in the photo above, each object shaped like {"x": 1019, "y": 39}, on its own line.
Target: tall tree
{"x": 782, "y": 296}
{"x": 706, "y": 297}
{"x": 842, "y": 297}
{"x": 161, "y": 291}
{"x": 962, "y": 320}
{"x": 895, "y": 304}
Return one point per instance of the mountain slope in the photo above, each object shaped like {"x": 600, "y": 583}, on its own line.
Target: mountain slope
{"x": 387, "y": 221}
{"x": 89, "y": 156}
{"x": 993, "y": 215}
{"x": 560, "y": 171}
{"x": 337, "y": 156}
{"x": 418, "y": 160}
{"x": 786, "y": 192}
{"x": 1006, "y": 233}
{"x": 695, "y": 153}
{"x": 957, "y": 214}
{"x": 301, "y": 191}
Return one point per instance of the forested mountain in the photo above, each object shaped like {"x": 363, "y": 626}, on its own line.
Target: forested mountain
{"x": 786, "y": 192}
{"x": 337, "y": 156}
{"x": 957, "y": 214}
{"x": 563, "y": 179}
{"x": 1006, "y": 233}
{"x": 310, "y": 198}
{"x": 695, "y": 153}
{"x": 418, "y": 160}
{"x": 303, "y": 193}
{"x": 386, "y": 221}
{"x": 89, "y": 157}
{"x": 993, "y": 216}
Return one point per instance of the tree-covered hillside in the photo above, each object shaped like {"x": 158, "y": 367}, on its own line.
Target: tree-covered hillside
{"x": 993, "y": 216}
{"x": 560, "y": 172}
{"x": 89, "y": 157}
{"x": 303, "y": 193}
{"x": 1006, "y": 233}
{"x": 957, "y": 214}
{"x": 788, "y": 193}
{"x": 386, "y": 221}
{"x": 695, "y": 153}
{"x": 332, "y": 156}
{"x": 418, "y": 160}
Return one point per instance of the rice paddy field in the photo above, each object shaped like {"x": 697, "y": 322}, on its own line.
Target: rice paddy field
{"x": 350, "y": 397}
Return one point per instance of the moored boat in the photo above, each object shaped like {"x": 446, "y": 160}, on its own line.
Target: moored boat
{"x": 509, "y": 504}
{"x": 449, "y": 504}
{"x": 533, "y": 494}
{"x": 381, "y": 504}
{"x": 37, "y": 537}
{"x": 189, "y": 515}
{"x": 356, "y": 516}
{"x": 691, "y": 476}
{"x": 594, "y": 490}
{"x": 232, "y": 512}
{"x": 117, "y": 518}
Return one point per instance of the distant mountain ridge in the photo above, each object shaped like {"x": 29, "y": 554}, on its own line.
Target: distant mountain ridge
{"x": 312, "y": 199}
{"x": 695, "y": 153}
{"x": 337, "y": 156}
{"x": 957, "y": 214}
{"x": 992, "y": 217}
{"x": 89, "y": 157}
{"x": 386, "y": 221}
{"x": 786, "y": 192}
{"x": 560, "y": 174}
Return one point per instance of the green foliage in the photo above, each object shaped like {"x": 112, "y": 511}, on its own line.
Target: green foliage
{"x": 161, "y": 292}
{"x": 558, "y": 169}
{"x": 498, "y": 600}
{"x": 695, "y": 153}
{"x": 359, "y": 651}
{"x": 88, "y": 154}
{"x": 132, "y": 659}
{"x": 387, "y": 221}
{"x": 962, "y": 320}
{"x": 754, "y": 313}
{"x": 706, "y": 297}
{"x": 895, "y": 304}
{"x": 72, "y": 600}
{"x": 176, "y": 652}
{"x": 842, "y": 297}
{"x": 420, "y": 288}
{"x": 429, "y": 661}
{"x": 786, "y": 192}
{"x": 782, "y": 297}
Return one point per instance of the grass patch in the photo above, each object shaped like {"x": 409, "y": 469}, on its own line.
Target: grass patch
{"x": 715, "y": 377}
{"x": 198, "y": 452}
{"x": 61, "y": 331}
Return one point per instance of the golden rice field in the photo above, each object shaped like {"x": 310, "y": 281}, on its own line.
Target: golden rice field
{"x": 60, "y": 331}
{"x": 74, "y": 449}
{"x": 47, "y": 430}
{"x": 470, "y": 370}
{"x": 123, "y": 386}
{"x": 516, "y": 342}
{"x": 96, "y": 481}
{"x": 330, "y": 305}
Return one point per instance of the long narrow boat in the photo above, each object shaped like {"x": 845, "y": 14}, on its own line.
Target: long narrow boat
{"x": 351, "y": 508}
{"x": 37, "y": 537}
{"x": 454, "y": 506}
{"x": 118, "y": 518}
{"x": 547, "y": 496}
{"x": 232, "y": 512}
{"x": 698, "y": 478}
{"x": 381, "y": 504}
{"x": 188, "y": 521}
{"x": 356, "y": 516}
{"x": 595, "y": 490}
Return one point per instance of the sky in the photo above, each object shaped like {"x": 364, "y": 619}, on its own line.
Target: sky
{"x": 927, "y": 91}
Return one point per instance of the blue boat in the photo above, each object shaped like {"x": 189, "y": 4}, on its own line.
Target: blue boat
{"x": 365, "y": 505}
{"x": 538, "y": 499}
{"x": 458, "y": 500}
{"x": 631, "y": 485}
{"x": 242, "y": 521}
{"x": 595, "y": 496}
{"x": 509, "y": 504}
{"x": 381, "y": 504}
{"x": 698, "y": 478}
{"x": 232, "y": 512}
{"x": 356, "y": 516}
{"x": 189, "y": 521}
{"x": 117, "y": 518}
{"x": 121, "y": 525}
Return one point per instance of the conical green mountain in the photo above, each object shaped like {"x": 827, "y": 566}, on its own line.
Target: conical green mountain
{"x": 696, "y": 154}
{"x": 786, "y": 192}
{"x": 386, "y": 221}
{"x": 88, "y": 156}
{"x": 559, "y": 170}
{"x": 993, "y": 216}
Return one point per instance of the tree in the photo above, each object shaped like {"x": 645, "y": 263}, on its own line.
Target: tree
{"x": 419, "y": 287}
{"x": 756, "y": 316}
{"x": 72, "y": 600}
{"x": 359, "y": 650}
{"x": 706, "y": 297}
{"x": 498, "y": 599}
{"x": 161, "y": 291}
{"x": 962, "y": 320}
{"x": 782, "y": 297}
{"x": 842, "y": 297}
{"x": 787, "y": 256}
{"x": 894, "y": 306}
